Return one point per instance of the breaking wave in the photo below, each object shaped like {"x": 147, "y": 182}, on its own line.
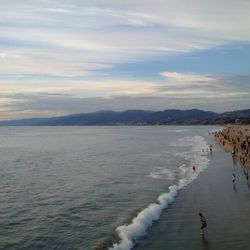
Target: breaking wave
{"x": 128, "y": 234}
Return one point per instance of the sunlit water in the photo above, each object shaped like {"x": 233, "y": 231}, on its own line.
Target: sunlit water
{"x": 79, "y": 187}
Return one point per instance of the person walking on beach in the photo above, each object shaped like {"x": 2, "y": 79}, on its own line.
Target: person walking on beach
{"x": 203, "y": 223}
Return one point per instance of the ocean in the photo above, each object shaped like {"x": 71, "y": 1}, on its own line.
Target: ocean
{"x": 92, "y": 187}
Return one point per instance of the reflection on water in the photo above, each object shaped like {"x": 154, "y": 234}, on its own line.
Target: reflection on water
{"x": 205, "y": 243}
{"x": 235, "y": 188}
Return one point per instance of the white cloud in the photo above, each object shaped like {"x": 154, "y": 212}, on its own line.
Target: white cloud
{"x": 195, "y": 85}
{"x": 174, "y": 85}
{"x": 42, "y": 62}
{"x": 94, "y": 31}
{"x": 63, "y": 46}
{"x": 186, "y": 77}
{"x": 157, "y": 27}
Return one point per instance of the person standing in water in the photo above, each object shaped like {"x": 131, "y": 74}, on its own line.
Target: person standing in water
{"x": 233, "y": 178}
{"x": 234, "y": 184}
{"x": 203, "y": 223}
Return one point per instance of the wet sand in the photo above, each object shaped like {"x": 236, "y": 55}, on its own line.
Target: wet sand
{"x": 226, "y": 207}
{"x": 236, "y": 139}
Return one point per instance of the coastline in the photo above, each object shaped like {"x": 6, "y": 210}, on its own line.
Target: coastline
{"x": 235, "y": 139}
{"x": 178, "y": 227}
{"x": 225, "y": 207}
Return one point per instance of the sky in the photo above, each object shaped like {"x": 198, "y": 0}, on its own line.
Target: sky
{"x": 61, "y": 57}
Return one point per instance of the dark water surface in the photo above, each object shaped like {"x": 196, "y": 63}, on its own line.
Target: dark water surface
{"x": 71, "y": 187}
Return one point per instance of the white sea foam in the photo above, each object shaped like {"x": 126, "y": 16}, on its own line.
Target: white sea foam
{"x": 140, "y": 224}
{"x": 186, "y": 141}
{"x": 162, "y": 173}
{"x": 180, "y": 130}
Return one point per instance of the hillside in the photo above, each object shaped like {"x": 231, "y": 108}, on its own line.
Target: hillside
{"x": 138, "y": 117}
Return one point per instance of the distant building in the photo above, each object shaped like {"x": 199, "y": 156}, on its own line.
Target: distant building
{"x": 237, "y": 121}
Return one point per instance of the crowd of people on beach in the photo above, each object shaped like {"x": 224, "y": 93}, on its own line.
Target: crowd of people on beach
{"x": 237, "y": 140}
{"x": 233, "y": 139}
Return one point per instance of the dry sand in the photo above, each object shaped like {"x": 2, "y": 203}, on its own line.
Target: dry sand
{"x": 236, "y": 139}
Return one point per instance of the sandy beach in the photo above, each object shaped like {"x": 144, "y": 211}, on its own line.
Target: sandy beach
{"x": 236, "y": 139}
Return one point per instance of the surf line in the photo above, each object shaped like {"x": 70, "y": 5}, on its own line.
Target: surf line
{"x": 139, "y": 225}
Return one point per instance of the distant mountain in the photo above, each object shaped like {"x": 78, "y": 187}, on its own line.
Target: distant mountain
{"x": 137, "y": 117}
{"x": 242, "y": 113}
{"x": 175, "y": 116}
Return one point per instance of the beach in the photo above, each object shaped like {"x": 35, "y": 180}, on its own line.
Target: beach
{"x": 236, "y": 140}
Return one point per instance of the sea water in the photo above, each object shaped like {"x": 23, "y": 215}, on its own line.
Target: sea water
{"x": 90, "y": 187}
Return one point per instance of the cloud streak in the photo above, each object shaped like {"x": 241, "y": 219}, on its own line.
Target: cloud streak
{"x": 186, "y": 89}
{"x": 75, "y": 47}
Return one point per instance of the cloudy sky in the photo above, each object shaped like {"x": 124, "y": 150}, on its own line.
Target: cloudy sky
{"x": 74, "y": 56}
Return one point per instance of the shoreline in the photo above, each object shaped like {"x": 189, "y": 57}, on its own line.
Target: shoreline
{"x": 211, "y": 193}
{"x": 235, "y": 139}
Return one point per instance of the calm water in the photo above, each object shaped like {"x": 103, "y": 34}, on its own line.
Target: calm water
{"x": 71, "y": 187}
